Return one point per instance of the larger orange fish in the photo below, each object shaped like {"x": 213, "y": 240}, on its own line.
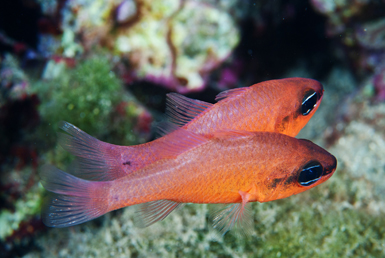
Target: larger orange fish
{"x": 283, "y": 106}
{"x": 231, "y": 167}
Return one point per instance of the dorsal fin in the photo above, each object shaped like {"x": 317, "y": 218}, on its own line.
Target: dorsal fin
{"x": 165, "y": 127}
{"x": 230, "y": 93}
{"x": 181, "y": 110}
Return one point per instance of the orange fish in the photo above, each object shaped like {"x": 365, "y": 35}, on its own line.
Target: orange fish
{"x": 228, "y": 167}
{"x": 283, "y": 106}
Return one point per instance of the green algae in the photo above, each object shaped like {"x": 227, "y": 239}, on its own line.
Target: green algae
{"x": 84, "y": 96}
{"x": 88, "y": 96}
{"x": 25, "y": 208}
{"x": 91, "y": 97}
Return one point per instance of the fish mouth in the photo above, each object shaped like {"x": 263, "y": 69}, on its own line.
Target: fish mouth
{"x": 328, "y": 171}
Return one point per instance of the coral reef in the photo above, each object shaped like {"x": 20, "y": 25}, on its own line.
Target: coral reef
{"x": 13, "y": 81}
{"x": 379, "y": 84}
{"x": 18, "y": 112}
{"x": 359, "y": 26}
{"x": 24, "y": 208}
{"x": 84, "y": 61}
{"x": 91, "y": 97}
{"x": 343, "y": 217}
{"x": 151, "y": 37}
{"x": 371, "y": 35}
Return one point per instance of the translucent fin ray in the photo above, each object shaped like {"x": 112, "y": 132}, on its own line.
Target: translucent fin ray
{"x": 58, "y": 181}
{"x": 73, "y": 200}
{"x": 165, "y": 128}
{"x": 181, "y": 110}
{"x": 63, "y": 210}
{"x": 151, "y": 212}
{"x": 230, "y": 93}
{"x": 96, "y": 160}
{"x": 226, "y": 217}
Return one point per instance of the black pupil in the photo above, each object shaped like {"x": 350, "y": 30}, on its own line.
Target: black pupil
{"x": 309, "y": 102}
{"x": 310, "y": 173}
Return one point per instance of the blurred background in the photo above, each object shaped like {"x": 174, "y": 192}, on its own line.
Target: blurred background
{"x": 106, "y": 67}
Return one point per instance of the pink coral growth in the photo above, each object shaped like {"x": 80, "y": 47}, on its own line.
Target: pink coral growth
{"x": 229, "y": 75}
{"x": 172, "y": 83}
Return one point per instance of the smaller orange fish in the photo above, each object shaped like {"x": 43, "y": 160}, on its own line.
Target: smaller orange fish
{"x": 228, "y": 167}
{"x": 282, "y": 106}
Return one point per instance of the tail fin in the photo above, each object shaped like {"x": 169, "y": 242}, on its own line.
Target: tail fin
{"x": 74, "y": 200}
{"x": 96, "y": 160}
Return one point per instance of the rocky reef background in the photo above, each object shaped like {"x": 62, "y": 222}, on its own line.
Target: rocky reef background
{"x": 106, "y": 65}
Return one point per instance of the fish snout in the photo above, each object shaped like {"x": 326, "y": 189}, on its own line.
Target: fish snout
{"x": 331, "y": 167}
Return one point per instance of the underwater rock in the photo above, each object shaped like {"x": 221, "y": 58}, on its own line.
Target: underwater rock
{"x": 172, "y": 43}
{"x": 19, "y": 190}
{"x": 379, "y": 84}
{"x": 360, "y": 150}
{"x": 18, "y": 113}
{"x": 359, "y": 29}
{"x": 23, "y": 204}
{"x": 339, "y": 13}
{"x": 125, "y": 12}
{"x": 14, "y": 83}
{"x": 371, "y": 35}
{"x": 20, "y": 198}
{"x": 90, "y": 96}
{"x": 49, "y": 7}
{"x": 210, "y": 39}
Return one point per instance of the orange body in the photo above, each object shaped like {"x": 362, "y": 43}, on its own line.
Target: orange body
{"x": 271, "y": 106}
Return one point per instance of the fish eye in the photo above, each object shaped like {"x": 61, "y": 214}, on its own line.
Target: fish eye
{"x": 310, "y": 173}
{"x": 309, "y": 102}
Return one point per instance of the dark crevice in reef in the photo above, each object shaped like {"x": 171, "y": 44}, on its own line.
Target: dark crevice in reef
{"x": 284, "y": 36}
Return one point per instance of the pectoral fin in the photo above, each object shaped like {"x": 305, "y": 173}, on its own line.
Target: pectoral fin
{"x": 225, "y": 217}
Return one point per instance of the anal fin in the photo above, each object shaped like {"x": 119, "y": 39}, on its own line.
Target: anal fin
{"x": 151, "y": 212}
